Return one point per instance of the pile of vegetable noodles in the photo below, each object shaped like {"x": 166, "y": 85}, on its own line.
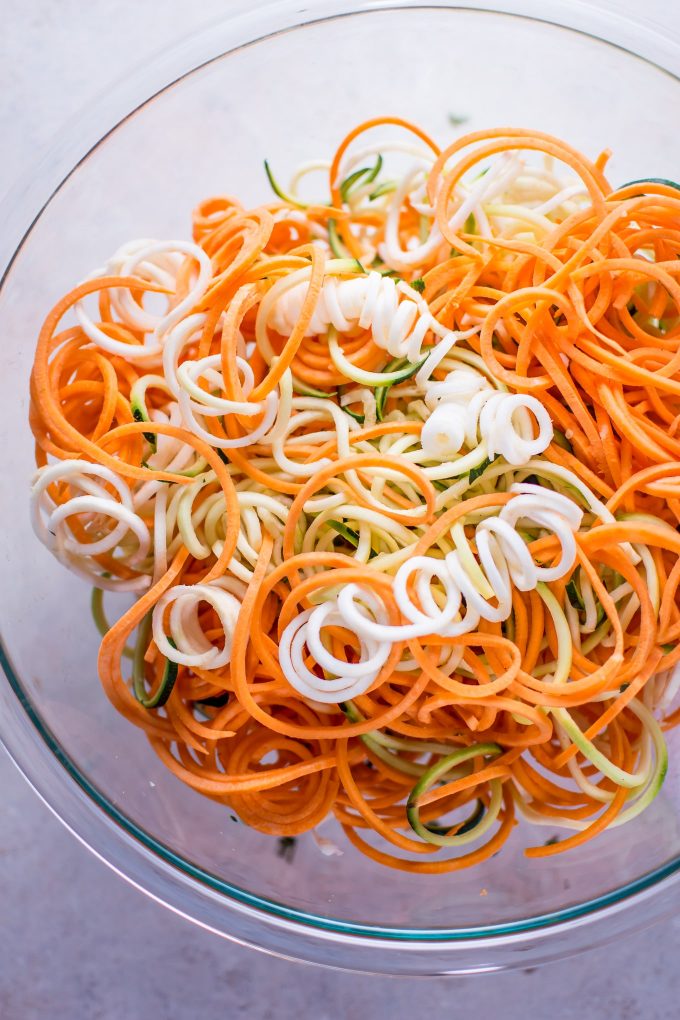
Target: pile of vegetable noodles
{"x": 393, "y": 478}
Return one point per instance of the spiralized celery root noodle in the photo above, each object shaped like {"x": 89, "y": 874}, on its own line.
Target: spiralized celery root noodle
{"x": 390, "y": 476}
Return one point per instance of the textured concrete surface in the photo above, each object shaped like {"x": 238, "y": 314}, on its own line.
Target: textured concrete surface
{"x": 76, "y": 943}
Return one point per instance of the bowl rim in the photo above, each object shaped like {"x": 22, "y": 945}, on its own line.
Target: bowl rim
{"x": 84, "y": 810}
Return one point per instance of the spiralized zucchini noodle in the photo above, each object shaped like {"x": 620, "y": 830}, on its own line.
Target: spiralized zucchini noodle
{"x": 393, "y": 477}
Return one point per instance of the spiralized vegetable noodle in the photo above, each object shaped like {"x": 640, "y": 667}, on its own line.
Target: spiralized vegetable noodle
{"x": 393, "y": 479}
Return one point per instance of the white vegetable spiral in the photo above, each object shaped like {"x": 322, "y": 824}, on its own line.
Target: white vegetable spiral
{"x": 158, "y": 262}
{"x": 504, "y": 561}
{"x": 468, "y": 410}
{"x": 349, "y": 679}
{"x": 398, "y": 317}
{"x": 192, "y": 646}
{"x": 93, "y": 506}
{"x": 196, "y": 403}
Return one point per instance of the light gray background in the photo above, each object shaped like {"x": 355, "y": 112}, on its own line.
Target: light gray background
{"x": 76, "y": 943}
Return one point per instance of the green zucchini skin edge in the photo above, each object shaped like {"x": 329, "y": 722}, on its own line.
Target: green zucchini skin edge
{"x": 382, "y": 391}
{"x": 139, "y": 413}
{"x": 368, "y": 173}
{"x": 347, "y": 533}
{"x": 168, "y": 679}
{"x": 651, "y": 180}
{"x": 430, "y": 777}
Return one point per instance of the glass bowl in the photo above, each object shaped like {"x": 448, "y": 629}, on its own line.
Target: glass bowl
{"x": 286, "y": 82}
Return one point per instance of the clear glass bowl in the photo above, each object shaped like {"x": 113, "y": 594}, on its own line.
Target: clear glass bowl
{"x": 265, "y": 85}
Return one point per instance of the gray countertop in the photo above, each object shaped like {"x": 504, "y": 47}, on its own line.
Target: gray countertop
{"x": 76, "y": 942}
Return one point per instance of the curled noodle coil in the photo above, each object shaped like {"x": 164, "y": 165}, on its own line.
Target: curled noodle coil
{"x": 399, "y": 320}
{"x": 89, "y": 504}
{"x": 161, "y": 263}
{"x": 393, "y": 478}
{"x": 467, "y": 409}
